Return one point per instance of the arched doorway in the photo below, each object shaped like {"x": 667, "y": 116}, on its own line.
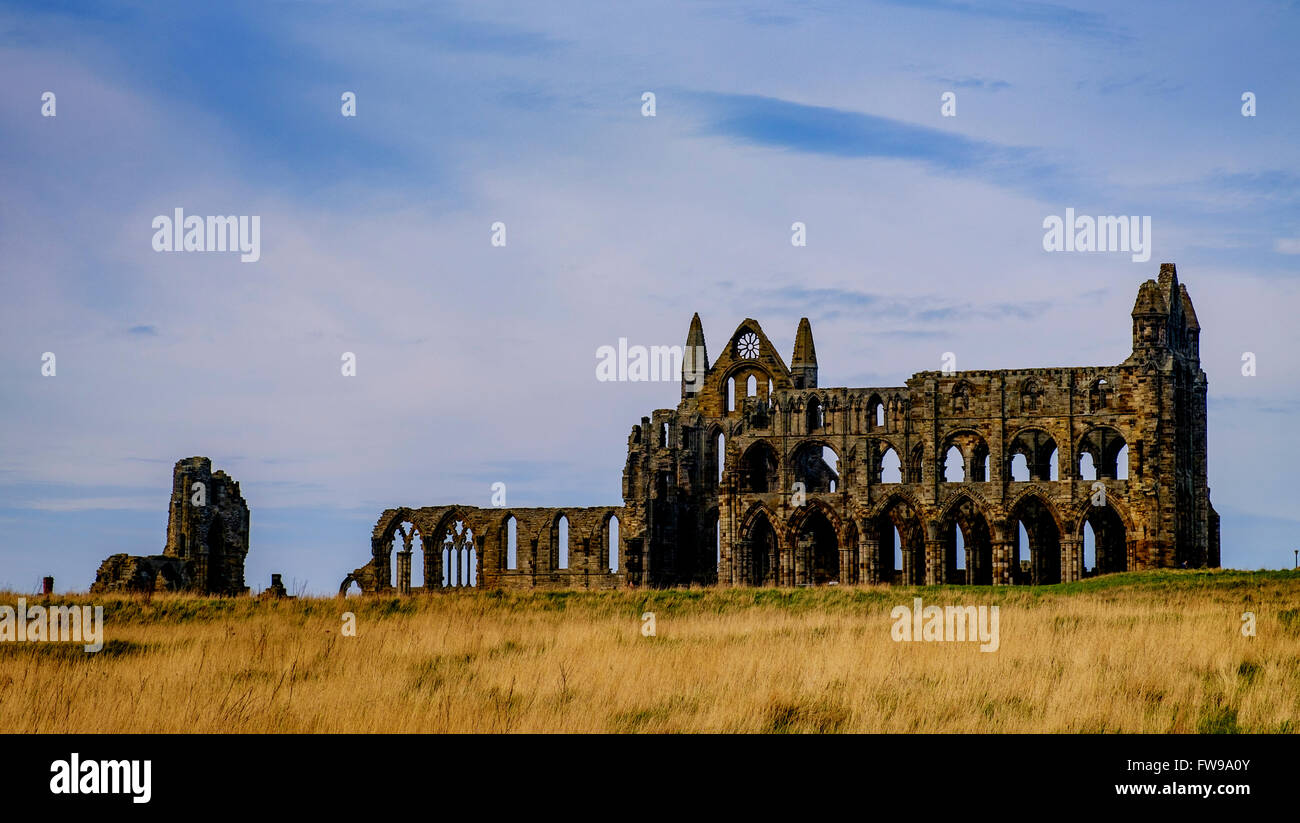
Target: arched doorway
{"x": 896, "y": 547}
{"x": 972, "y": 561}
{"x": 817, "y": 561}
{"x": 1036, "y": 527}
{"x": 759, "y": 557}
{"x": 1109, "y": 543}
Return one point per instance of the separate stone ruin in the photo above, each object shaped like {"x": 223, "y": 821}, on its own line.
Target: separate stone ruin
{"x": 277, "y": 591}
{"x": 207, "y": 540}
{"x": 761, "y": 477}
{"x": 453, "y": 547}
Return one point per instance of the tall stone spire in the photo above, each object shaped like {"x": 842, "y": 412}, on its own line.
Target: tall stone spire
{"x": 803, "y": 366}
{"x": 695, "y": 359}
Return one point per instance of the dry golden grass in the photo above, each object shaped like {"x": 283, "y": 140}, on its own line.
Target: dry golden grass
{"x": 1160, "y": 652}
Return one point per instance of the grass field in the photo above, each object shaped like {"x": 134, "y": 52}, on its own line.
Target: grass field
{"x": 1148, "y": 652}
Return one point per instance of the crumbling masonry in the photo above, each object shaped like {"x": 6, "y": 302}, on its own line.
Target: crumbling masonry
{"x": 207, "y": 539}
{"x": 761, "y": 477}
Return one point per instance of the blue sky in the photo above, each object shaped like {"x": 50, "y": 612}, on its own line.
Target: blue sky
{"x": 476, "y": 364}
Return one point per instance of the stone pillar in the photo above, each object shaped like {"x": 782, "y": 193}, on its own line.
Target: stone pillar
{"x": 1004, "y": 553}
{"x": 433, "y": 568}
{"x": 868, "y": 566}
{"x": 724, "y": 558}
{"x": 935, "y": 569}
{"x": 803, "y": 560}
{"x": 404, "y": 572}
{"x": 744, "y": 568}
{"x": 1071, "y": 560}
{"x": 201, "y": 572}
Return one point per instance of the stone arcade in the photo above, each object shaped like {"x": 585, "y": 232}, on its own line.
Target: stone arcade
{"x": 762, "y": 477}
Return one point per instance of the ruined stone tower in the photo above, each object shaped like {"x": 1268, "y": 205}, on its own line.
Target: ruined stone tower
{"x": 213, "y": 536}
{"x": 761, "y": 477}
{"x": 207, "y": 539}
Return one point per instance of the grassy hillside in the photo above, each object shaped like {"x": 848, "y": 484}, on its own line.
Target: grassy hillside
{"x": 1148, "y": 652}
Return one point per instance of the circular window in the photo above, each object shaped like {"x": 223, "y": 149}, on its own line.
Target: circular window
{"x": 747, "y": 345}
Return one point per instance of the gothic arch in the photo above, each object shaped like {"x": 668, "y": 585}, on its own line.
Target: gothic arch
{"x": 815, "y": 413}
{"x": 1078, "y": 514}
{"x": 900, "y": 513}
{"x": 1112, "y": 536}
{"x": 801, "y": 514}
{"x": 388, "y": 523}
{"x": 1039, "y": 446}
{"x": 1034, "y": 511}
{"x": 974, "y": 450}
{"x": 347, "y": 581}
{"x": 972, "y": 494}
{"x": 1045, "y": 497}
{"x": 877, "y": 447}
{"x": 904, "y": 495}
{"x": 1100, "y": 393}
{"x": 756, "y": 557}
{"x": 874, "y": 402}
{"x": 1102, "y": 443}
{"x": 966, "y": 513}
{"x": 803, "y": 457}
{"x": 818, "y": 538}
{"x": 753, "y": 512}
{"x": 760, "y": 468}
{"x": 742, "y": 369}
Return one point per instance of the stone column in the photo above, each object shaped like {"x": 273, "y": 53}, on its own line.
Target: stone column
{"x": 743, "y": 570}
{"x": 869, "y": 568}
{"x": 1004, "y": 553}
{"x": 789, "y": 552}
{"x": 802, "y": 555}
{"x": 936, "y": 573}
{"x": 433, "y": 568}
{"x": 404, "y": 572}
{"x": 1071, "y": 560}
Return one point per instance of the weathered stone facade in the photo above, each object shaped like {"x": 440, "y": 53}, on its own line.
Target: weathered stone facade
{"x": 734, "y": 486}
{"x": 207, "y": 539}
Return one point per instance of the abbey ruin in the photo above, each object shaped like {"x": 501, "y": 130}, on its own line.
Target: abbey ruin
{"x": 207, "y": 539}
{"x": 761, "y": 477}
